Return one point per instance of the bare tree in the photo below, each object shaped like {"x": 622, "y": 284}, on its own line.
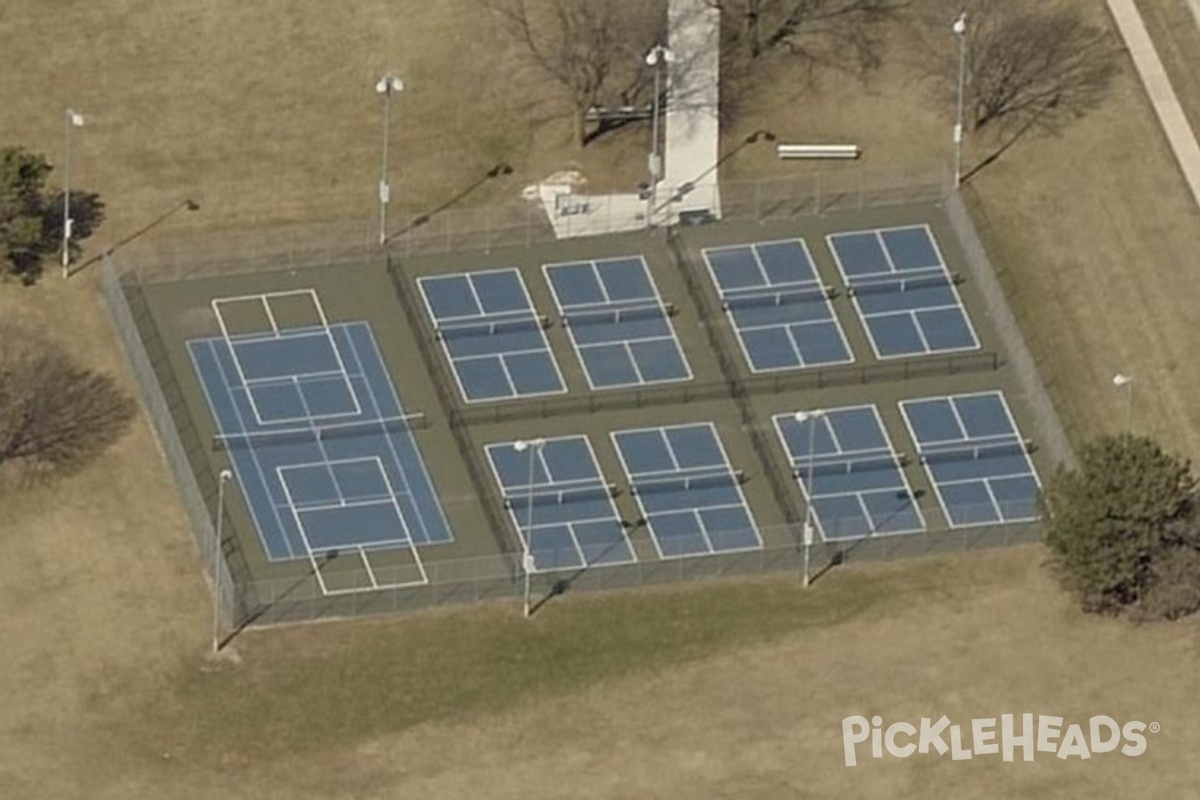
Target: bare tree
{"x": 827, "y": 32}
{"x": 592, "y": 49}
{"x": 54, "y": 414}
{"x": 1033, "y": 62}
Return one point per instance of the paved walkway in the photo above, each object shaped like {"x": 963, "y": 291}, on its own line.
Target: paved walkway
{"x": 1158, "y": 86}
{"x": 692, "y": 140}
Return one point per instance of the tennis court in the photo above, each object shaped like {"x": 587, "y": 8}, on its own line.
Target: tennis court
{"x": 618, "y": 323}
{"x": 780, "y": 312}
{"x": 559, "y": 503}
{"x": 975, "y": 458}
{"x": 323, "y": 474}
{"x": 688, "y": 493}
{"x": 491, "y": 334}
{"x": 903, "y": 291}
{"x": 847, "y": 468}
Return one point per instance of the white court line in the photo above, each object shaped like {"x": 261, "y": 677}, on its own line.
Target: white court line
{"x": 359, "y": 548}
{"x": 724, "y": 467}
{"x": 428, "y": 479}
{"x": 767, "y": 288}
{"x": 266, "y": 488}
{"x": 265, "y": 300}
{"x": 888, "y": 449}
{"x": 653, "y": 300}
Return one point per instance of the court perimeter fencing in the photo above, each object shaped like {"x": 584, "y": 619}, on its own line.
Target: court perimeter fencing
{"x": 244, "y": 600}
{"x": 515, "y": 225}
{"x": 131, "y": 318}
{"x": 496, "y": 579}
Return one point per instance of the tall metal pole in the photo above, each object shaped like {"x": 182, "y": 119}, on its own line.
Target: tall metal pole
{"x": 216, "y": 566}
{"x": 73, "y": 120}
{"x": 534, "y": 446}
{"x": 811, "y": 417}
{"x": 657, "y": 59}
{"x": 1126, "y": 382}
{"x": 960, "y": 28}
{"x": 385, "y": 86}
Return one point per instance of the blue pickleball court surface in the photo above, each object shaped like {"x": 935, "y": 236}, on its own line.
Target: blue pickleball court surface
{"x": 618, "y": 323}
{"x": 780, "y": 311}
{"x": 560, "y": 504}
{"x": 903, "y": 291}
{"x": 852, "y": 475}
{"x": 975, "y": 458}
{"x": 688, "y": 493}
{"x": 492, "y": 335}
{"x": 351, "y": 476}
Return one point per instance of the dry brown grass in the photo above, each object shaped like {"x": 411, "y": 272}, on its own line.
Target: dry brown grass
{"x": 265, "y": 113}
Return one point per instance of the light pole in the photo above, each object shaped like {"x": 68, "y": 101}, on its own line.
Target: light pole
{"x": 1122, "y": 381}
{"x": 534, "y": 446}
{"x": 960, "y": 28}
{"x": 216, "y": 573}
{"x": 385, "y": 86}
{"x": 812, "y": 418}
{"x": 658, "y": 57}
{"x": 73, "y": 120}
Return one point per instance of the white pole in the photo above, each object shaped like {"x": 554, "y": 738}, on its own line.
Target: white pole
{"x": 1121, "y": 380}
{"x": 534, "y": 446}
{"x": 811, "y": 417}
{"x": 73, "y": 120}
{"x": 658, "y": 58}
{"x": 216, "y": 573}
{"x": 960, "y": 28}
{"x": 385, "y": 86}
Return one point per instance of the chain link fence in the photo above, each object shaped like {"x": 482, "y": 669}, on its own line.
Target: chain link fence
{"x": 246, "y": 599}
{"x": 524, "y": 224}
{"x": 164, "y": 406}
{"x": 1050, "y": 433}
{"x": 497, "y": 579}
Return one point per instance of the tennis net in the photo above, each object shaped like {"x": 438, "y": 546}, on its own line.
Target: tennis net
{"x": 877, "y": 286}
{"x": 686, "y": 483}
{"x": 846, "y": 464}
{"x": 460, "y": 330}
{"x": 320, "y": 433}
{"x": 543, "y": 496}
{"x": 941, "y": 455}
{"x": 758, "y": 299}
{"x": 612, "y": 316}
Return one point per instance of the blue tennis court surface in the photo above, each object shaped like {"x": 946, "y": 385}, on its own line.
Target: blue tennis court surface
{"x": 780, "y": 311}
{"x": 975, "y": 458}
{"x": 358, "y": 483}
{"x": 618, "y": 323}
{"x": 854, "y": 478}
{"x": 559, "y": 502}
{"x": 492, "y": 335}
{"x": 903, "y": 291}
{"x": 688, "y": 493}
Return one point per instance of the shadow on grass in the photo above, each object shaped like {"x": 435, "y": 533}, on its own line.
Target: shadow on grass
{"x": 187, "y": 204}
{"x": 842, "y": 555}
{"x": 498, "y": 171}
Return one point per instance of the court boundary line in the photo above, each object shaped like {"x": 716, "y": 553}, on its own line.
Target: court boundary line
{"x": 358, "y": 548}
{"x": 258, "y": 467}
{"x": 631, "y": 479}
{"x": 765, "y": 289}
{"x": 308, "y": 330}
{"x": 526, "y": 535}
{"x": 1015, "y": 435}
{"x": 425, "y": 475}
{"x": 654, "y": 301}
{"x": 889, "y": 449}
{"x": 865, "y": 318}
{"x": 529, "y": 313}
